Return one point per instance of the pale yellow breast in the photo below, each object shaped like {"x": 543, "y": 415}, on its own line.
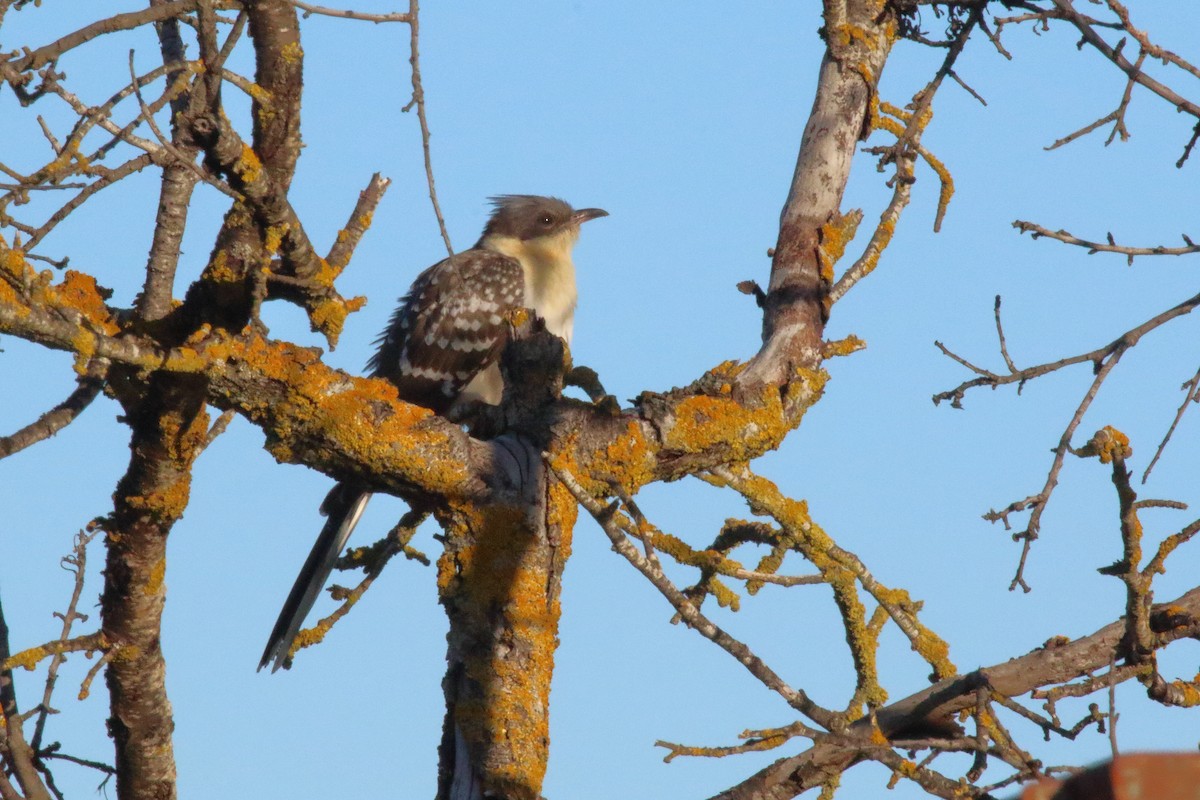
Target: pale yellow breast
{"x": 549, "y": 276}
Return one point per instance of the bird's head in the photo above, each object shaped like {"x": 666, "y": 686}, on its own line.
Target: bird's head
{"x": 534, "y": 223}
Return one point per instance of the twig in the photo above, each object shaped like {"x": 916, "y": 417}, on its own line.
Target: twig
{"x": 1049, "y": 726}
{"x": 1117, "y": 117}
{"x": 1040, "y": 500}
{"x": 372, "y": 560}
{"x": 85, "y": 687}
{"x": 75, "y": 563}
{"x": 16, "y": 756}
{"x": 1084, "y": 131}
{"x": 29, "y": 658}
{"x": 53, "y": 420}
{"x": 1126, "y": 340}
{"x": 119, "y": 22}
{"x": 756, "y": 742}
{"x": 1113, "y": 716}
{"x": 218, "y": 427}
{"x": 836, "y": 564}
{"x": 1110, "y": 246}
{"x": 418, "y": 100}
{"x": 691, "y": 615}
{"x": 99, "y": 766}
{"x": 309, "y": 9}
{"x": 1191, "y": 395}
{"x": 1086, "y": 26}
{"x": 1008, "y": 362}
{"x": 360, "y": 219}
{"x": 111, "y": 177}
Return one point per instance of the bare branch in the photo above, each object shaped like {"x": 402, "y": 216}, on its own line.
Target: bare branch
{"x": 53, "y": 420}
{"x": 418, "y": 100}
{"x": 1109, "y": 246}
{"x": 796, "y": 698}
{"x": 1087, "y": 27}
{"x": 1054, "y": 664}
{"x": 118, "y": 22}
{"x": 310, "y": 9}
{"x": 1191, "y": 395}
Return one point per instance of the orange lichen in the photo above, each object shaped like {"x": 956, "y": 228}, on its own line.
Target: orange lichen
{"x": 628, "y": 458}
{"x": 561, "y": 513}
{"x": 79, "y": 291}
{"x": 1110, "y": 443}
{"x": 165, "y": 504}
{"x": 13, "y": 261}
{"x": 847, "y": 34}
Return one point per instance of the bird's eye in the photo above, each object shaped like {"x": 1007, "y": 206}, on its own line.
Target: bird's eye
{"x": 546, "y": 219}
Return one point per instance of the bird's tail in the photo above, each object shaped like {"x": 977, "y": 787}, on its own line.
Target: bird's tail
{"x": 343, "y": 506}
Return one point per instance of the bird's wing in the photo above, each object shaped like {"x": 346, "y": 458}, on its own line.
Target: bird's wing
{"x": 450, "y": 326}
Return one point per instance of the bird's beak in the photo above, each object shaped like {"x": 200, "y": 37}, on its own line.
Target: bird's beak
{"x": 584, "y": 214}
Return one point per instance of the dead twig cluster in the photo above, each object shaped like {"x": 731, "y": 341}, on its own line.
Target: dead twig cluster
{"x": 25, "y": 759}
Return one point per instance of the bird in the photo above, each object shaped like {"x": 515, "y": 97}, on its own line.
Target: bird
{"x": 442, "y": 347}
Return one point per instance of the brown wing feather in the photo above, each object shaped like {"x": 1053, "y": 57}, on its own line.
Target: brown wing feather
{"x": 450, "y": 326}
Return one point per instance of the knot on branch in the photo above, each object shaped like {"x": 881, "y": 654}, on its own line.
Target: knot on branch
{"x": 533, "y": 364}
{"x": 1108, "y": 444}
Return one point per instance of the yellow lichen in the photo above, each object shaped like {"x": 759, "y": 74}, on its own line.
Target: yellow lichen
{"x": 258, "y": 93}
{"x": 274, "y": 238}
{"x": 248, "y": 167}
{"x": 494, "y": 572}
{"x": 157, "y": 574}
{"x": 219, "y": 269}
{"x": 364, "y": 416}
{"x": 1187, "y": 693}
{"x": 26, "y": 659}
{"x": 834, "y": 236}
{"x": 1110, "y": 443}
{"x": 843, "y": 347}
{"x": 328, "y": 316}
{"x": 292, "y": 52}
{"x": 703, "y": 422}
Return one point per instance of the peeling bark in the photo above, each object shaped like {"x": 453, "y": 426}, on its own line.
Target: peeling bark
{"x": 858, "y": 36}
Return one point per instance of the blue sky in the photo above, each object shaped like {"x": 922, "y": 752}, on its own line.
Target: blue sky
{"x": 683, "y": 122}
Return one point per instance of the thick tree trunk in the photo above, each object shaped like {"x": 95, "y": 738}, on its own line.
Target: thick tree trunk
{"x": 169, "y": 428}
{"x": 500, "y": 580}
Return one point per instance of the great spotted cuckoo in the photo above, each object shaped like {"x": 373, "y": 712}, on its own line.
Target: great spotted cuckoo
{"x": 442, "y": 348}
